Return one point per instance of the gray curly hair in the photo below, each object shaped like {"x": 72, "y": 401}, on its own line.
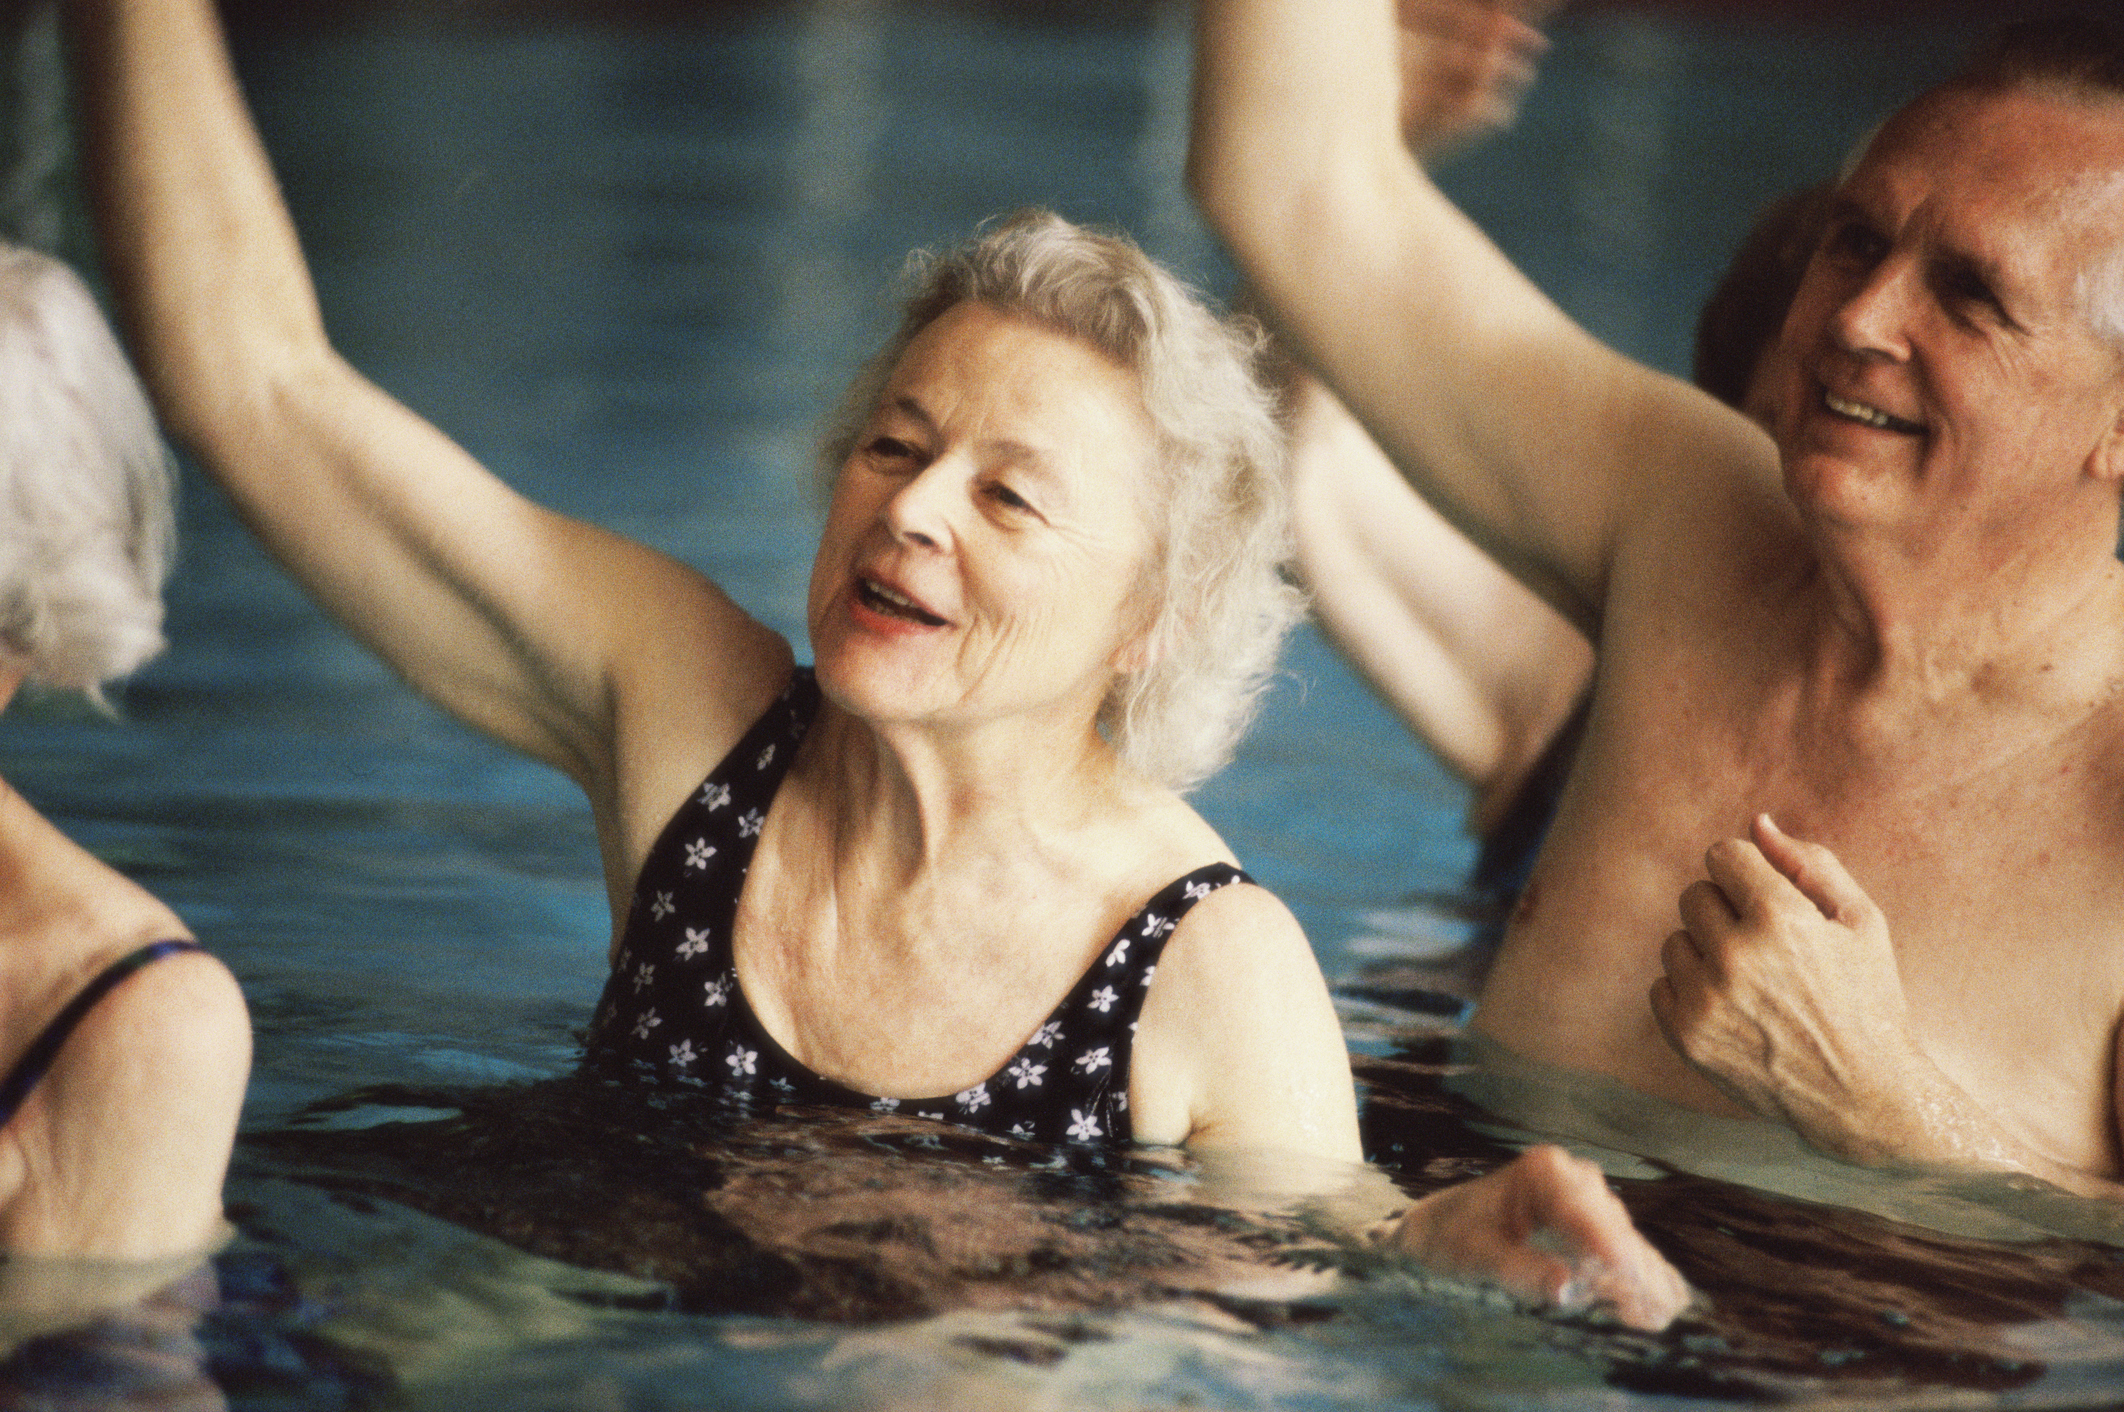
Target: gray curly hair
{"x": 86, "y": 521}
{"x": 1217, "y": 507}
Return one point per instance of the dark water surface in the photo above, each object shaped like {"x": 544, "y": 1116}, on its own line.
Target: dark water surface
{"x": 627, "y": 264}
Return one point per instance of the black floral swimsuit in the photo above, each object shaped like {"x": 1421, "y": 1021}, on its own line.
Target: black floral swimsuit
{"x": 672, "y": 1008}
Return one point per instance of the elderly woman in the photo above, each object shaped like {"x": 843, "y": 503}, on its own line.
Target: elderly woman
{"x": 938, "y": 871}
{"x": 126, "y": 1046}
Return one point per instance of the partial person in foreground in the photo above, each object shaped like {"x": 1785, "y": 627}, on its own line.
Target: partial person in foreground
{"x": 1868, "y": 676}
{"x": 937, "y": 872}
{"x": 126, "y": 1046}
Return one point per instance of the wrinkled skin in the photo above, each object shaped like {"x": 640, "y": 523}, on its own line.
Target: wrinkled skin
{"x": 1782, "y": 988}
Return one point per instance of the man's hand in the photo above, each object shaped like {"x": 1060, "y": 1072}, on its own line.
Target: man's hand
{"x": 1782, "y": 988}
{"x": 1465, "y": 64}
{"x": 1545, "y": 1228}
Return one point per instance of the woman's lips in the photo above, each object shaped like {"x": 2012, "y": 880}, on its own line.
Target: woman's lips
{"x": 884, "y": 599}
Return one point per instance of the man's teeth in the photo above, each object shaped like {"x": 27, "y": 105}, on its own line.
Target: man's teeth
{"x": 1871, "y": 416}
{"x": 900, "y": 603}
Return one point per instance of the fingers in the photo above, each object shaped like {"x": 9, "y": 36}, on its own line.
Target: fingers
{"x": 1612, "y": 1264}
{"x": 1706, "y": 910}
{"x": 1546, "y": 1228}
{"x": 1818, "y": 874}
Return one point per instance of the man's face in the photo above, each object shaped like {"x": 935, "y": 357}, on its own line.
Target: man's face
{"x": 1941, "y": 377}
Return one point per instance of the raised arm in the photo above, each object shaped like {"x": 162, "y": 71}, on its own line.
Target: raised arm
{"x": 1531, "y": 436}
{"x": 559, "y": 639}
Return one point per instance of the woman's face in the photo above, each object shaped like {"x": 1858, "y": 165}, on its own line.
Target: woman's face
{"x": 983, "y": 552}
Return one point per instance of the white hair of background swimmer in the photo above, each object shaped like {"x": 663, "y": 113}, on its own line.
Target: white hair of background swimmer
{"x": 86, "y": 522}
{"x": 1217, "y": 505}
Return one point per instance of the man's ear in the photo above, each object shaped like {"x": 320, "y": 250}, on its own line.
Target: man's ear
{"x": 2106, "y": 461}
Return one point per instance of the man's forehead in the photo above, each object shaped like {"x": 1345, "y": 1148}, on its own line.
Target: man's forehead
{"x": 2036, "y": 154}
{"x": 2004, "y": 131}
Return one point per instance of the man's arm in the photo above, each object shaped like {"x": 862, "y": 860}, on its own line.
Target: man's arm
{"x": 530, "y": 626}
{"x": 1782, "y": 988}
{"x": 1537, "y": 441}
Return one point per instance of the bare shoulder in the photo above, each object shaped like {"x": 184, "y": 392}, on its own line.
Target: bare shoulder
{"x": 124, "y": 1143}
{"x": 1239, "y": 1045}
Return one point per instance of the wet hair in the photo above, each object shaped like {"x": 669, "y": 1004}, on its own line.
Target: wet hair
{"x": 86, "y": 522}
{"x": 1746, "y": 310}
{"x": 1217, "y": 502}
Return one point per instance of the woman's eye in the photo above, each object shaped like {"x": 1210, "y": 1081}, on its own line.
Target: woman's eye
{"x": 890, "y": 448}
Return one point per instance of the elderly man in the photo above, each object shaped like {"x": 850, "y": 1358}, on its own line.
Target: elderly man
{"x": 1869, "y": 678}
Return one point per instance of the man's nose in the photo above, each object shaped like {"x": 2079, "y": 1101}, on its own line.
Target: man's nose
{"x": 1873, "y": 318}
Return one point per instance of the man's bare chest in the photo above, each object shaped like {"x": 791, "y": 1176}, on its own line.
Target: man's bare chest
{"x": 1995, "y": 860}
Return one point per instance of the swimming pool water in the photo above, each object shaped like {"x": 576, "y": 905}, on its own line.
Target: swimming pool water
{"x": 627, "y": 265}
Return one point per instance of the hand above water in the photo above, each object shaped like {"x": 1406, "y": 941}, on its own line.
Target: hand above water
{"x": 1782, "y": 988}
{"x": 1545, "y": 1228}
{"x": 1465, "y": 64}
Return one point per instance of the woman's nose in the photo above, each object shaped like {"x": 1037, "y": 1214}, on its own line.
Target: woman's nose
{"x": 919, "y": 512}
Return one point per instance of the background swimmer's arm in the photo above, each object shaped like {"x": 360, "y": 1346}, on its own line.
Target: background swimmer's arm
{"x": 120, "y": 1150}
{"x": 1543, "y": 445}
{"x": 547, "y": 633}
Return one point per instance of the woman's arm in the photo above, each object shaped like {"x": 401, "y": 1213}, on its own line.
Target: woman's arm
{"x": 547, "y": 633}
{"x": 1240, "y": 1036}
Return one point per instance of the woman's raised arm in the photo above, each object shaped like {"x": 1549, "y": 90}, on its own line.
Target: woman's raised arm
{"x": 554, "y": 636}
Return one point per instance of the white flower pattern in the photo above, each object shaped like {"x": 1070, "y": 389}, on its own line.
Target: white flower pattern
{"x": 1055, "y": 1088}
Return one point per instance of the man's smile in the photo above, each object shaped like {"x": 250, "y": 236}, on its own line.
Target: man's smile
{"x": 1866, "y": 415}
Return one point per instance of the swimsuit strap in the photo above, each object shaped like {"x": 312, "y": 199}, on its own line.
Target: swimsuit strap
{"x": 37, "y": 1060}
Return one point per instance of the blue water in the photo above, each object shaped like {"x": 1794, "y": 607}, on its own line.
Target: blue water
{"x": 627, "y": 266}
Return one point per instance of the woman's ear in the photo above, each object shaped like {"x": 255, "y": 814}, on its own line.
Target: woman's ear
{"x": 1135, "y": 653}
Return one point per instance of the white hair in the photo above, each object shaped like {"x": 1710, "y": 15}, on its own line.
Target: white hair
{"x": 86, "y": 523}
{"x": 1218, "y": 502}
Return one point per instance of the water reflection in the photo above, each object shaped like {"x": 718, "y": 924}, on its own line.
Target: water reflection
{"x": 101, "y": 1338}
{"x": 615, "y": 262}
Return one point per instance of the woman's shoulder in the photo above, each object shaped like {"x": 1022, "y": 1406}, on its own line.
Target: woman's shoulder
{"x": 126, "y": 1136}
